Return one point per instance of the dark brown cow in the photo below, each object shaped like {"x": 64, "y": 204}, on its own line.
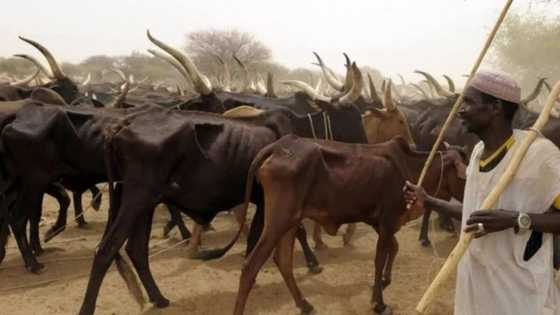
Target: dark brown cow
{"x": 335, "y": 183}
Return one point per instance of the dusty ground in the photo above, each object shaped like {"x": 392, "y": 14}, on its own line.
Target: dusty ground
{"x": 196, "y": 287}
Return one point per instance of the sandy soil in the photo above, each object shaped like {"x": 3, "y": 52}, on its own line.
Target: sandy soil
{"x": 196, "y": 287}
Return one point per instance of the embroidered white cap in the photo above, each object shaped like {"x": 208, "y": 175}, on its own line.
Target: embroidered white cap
{"x": 497, "y": 84}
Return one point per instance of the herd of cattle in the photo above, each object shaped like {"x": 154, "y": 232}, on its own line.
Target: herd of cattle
{"x": 337, "y": 159}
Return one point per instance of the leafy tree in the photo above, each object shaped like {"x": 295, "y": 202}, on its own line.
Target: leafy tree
{"x": 527, "y": 46}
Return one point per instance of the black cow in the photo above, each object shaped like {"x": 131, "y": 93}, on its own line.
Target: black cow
{"x": 42, "y": 145}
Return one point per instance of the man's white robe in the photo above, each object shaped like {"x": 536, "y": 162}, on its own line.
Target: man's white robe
{"x": 493, "y": 277}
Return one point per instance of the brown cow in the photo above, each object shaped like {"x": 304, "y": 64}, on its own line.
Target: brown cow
{"x": 335, "y": 183}
{"x": 380, "y": 125}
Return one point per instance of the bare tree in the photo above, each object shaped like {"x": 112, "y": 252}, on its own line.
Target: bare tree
{"x": 226, "y": 44}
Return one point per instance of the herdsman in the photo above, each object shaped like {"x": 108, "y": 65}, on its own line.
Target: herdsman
{"x": 508, "y": 268}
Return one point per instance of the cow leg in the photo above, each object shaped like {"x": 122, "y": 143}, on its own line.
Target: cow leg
{"x": 18, "y": 223}
{"x": 18, "y": 228}
{"x": 381, "y": 255}
{"x": 311, "y": 260}
{"x": 319, "y": 244}
{"x": 137, "y": 250}
{"x": 196, "y": 239}
{"x": 78, "y": 210}
{"x": 35, "y": 218}
{"x": 350, "y": 230}
{"x": 95, "y": 197}
{"x": 176, "y": 220}
{"x": 423, "y": 238}
{"x": 284, "y": 259}
{"x": 394, "y": 248}
{"x": 61, "y": 195}
{"x": 257, "y": 257}
{"x": 113, "y": 240}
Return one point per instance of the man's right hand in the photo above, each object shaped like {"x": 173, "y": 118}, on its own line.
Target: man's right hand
{"x": 415, "y": 196}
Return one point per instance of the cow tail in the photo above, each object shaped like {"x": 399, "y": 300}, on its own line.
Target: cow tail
{"x": 255, "y": 165}
{"x": 123, "y": 266}
{"x": 125, "y": 270}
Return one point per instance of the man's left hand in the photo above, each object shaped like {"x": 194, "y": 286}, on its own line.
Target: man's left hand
{"x": 491, "y": 220}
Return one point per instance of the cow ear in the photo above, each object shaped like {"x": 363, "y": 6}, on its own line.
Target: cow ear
{"x": 205, "y": 135}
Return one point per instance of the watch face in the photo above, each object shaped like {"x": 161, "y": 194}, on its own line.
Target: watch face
{"x": 524, "y": 221}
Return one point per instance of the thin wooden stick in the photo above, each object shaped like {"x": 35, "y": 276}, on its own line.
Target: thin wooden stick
{"x": 459, "y": 101}
{"x": 453, "y": 260}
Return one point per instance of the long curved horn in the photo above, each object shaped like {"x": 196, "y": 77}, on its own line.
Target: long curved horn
{"x": 37, "y": 64}
{"x": 318, "y": 85}
{"x": 441, "y": 91}
{"x": 373, "y": 91}
{"x": 547, "y": 85}
{"x": 55, "y": 67}
{"x": 388, "y": 98}
{"x": 535, "y": 92}
{"x": 450, "y": 83}
{"x": 26, "y": 81}
{"x": 87, "y": 80}
{"x": 118, "y": 102}
{"x": 307, "y": 89}
{"x": 420, "y": 89}
{"x": 329, "y": 75}
{"x": 270, "y": 86}
{"x": 348, "y": 64}
{"x": 357, "y": 86}
{"x": 173, "y": 63}
{"x": 246, "y": 82}
{"x": 348, "y": 80}
{"x": 201, "y": 82}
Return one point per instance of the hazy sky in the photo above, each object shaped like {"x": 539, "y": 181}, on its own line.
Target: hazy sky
{"x": 395, "y": 36}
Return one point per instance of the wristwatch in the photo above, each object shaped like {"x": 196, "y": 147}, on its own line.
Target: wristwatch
{"x": 523, "y": 222}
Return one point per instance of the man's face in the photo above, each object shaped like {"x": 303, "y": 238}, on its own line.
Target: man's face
{"x": 475, "y": 114}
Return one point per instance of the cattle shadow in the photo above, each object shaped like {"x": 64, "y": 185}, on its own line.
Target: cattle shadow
{"x": 261, "y": 301}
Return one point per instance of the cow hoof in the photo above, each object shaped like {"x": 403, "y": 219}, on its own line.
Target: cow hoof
{"x": 161, "y": 302}
{"x": 382, "y": 310}
{"x": 348, "y": 245}
{"x": 306, "y": 308}
{"x": 82, "y": 224}
{"x": 426, "y": 243}
{"x": 321, "y": 246}
{"x": 36, "y": 268}
{"x": 2, "y": 255}
{"x": 315, "y": 269}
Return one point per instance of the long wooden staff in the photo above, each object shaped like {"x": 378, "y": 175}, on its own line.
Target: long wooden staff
{"x": 460, "y": 99}
{"x": 518, "y": 155}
